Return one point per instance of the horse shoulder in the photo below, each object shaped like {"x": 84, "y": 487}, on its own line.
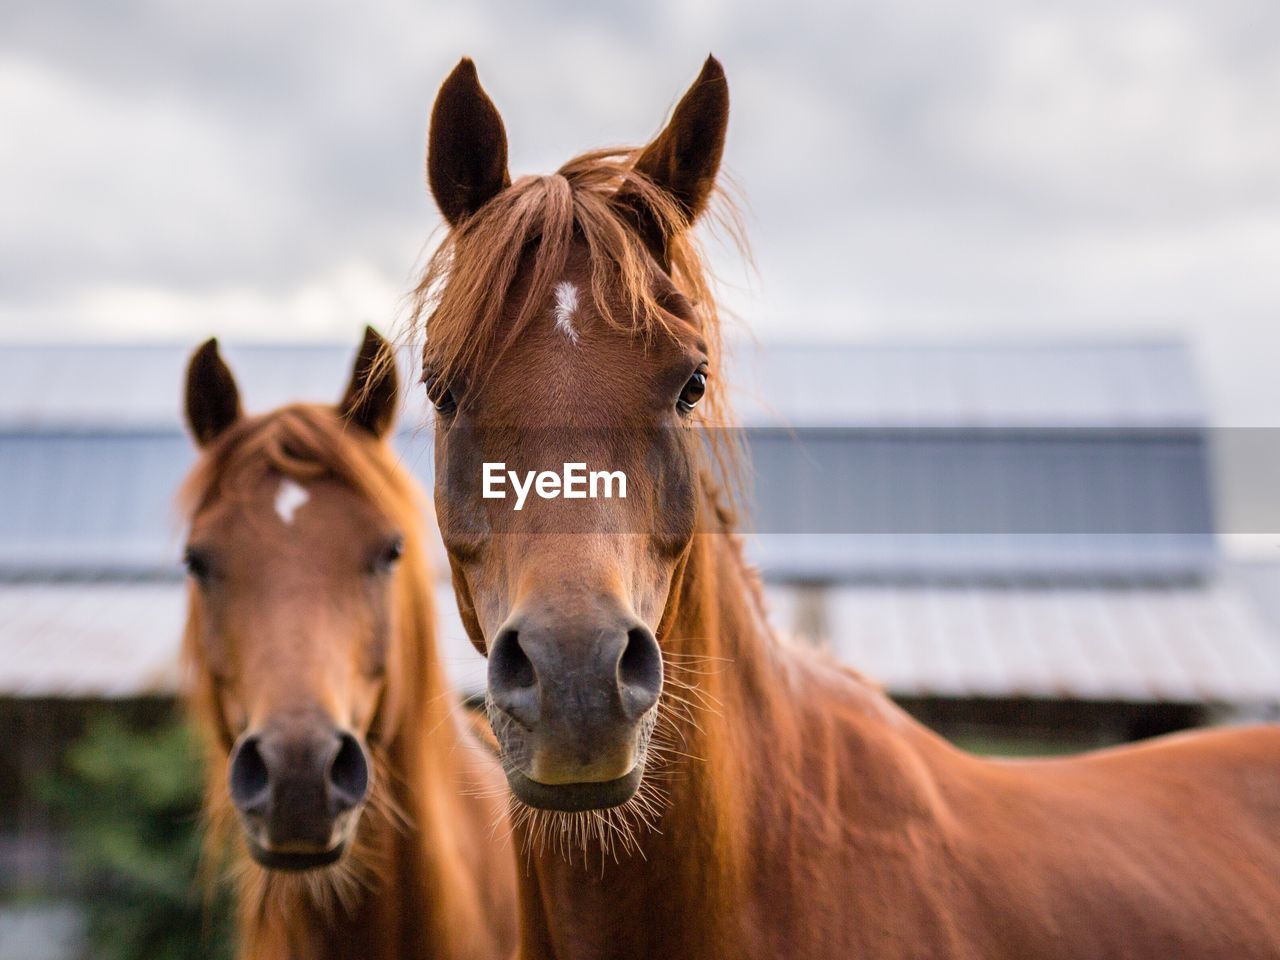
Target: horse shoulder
{"x": 1144, "y": 847}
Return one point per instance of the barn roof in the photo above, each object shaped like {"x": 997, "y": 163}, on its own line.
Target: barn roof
{"x": 911, "y": 454}
{"x": 1042, "y": 384}
{"x": 1202, "y": 644}
{"x": 119, "y": 638}
{"x": 960, "y": 493}
{"x": 1139, "y": 643}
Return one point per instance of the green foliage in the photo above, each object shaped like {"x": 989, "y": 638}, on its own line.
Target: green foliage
{"x": 131, "y": 800}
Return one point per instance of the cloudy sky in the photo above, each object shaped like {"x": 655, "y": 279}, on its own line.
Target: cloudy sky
{"x": 910, "y": 169}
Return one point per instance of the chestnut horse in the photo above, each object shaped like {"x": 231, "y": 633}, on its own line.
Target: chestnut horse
{"x": 720, "y": 793}
{"x": 335, "y": 739}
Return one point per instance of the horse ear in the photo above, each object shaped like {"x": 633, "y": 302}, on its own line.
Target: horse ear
{"x": 373, "y": 393}
{"x": 684, "y": 158}
{"x": 213, "y": 400}
{"x": 467, "y": 146}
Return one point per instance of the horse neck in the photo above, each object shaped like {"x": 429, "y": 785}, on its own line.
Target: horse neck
{"x": 724, "y": 664}
{"x": 738, "y": 759}
{"x": 764, "y": 705}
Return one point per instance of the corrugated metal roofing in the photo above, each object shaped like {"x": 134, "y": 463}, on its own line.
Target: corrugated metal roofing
{"x": 91, "y": 450}
{"x": 908, "y": 557}
{"x": 120, "y": 638}
{"x": 1041, "y": 384}
{"x": 1141, "y": 644}
{"x": 1181, "y": 645}
{"x": 90, "y": 501}
{"x": 91, "y": 640}
{"x": 855, "y": 503}
{"x": 1007, "y": 383}
{"x": 138, "y": 387}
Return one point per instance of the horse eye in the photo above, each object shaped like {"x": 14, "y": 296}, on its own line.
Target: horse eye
{"x": 197, "y": 564}
{"x": 390, "y": 555}
{"x": 692, "y": 392}
{"x": 439, "y": 394}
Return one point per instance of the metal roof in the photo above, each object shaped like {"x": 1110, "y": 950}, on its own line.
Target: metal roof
{"x": 1141, "y": 644}
{"x": 138, "y": 387}
{"x": 850, "y": 504}
{"x": 1200, "y": 644}
{"x": 1001, "y": 383}
{"x": 120, "y": 638}
{"x": 90, "y": 640}
{"x": 92, "y": 449}
{"x": 908, "y": 465}
{"x": 1008, "y": 383}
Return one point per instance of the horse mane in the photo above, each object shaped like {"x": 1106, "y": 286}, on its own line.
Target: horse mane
{"x": 307, "y": 442}
{"x": 459, "y": 304}
{"x": 303, "y": 442}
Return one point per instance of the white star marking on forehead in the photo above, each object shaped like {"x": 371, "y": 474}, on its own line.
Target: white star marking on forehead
{"x": 289, "y": 498}
{"x": 566, "y": 304}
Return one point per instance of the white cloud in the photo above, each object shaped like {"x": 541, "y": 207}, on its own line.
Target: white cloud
{"x": 915, "y": 168}
{"x": 98, "y": 186}
{"x": 1121, "y": 111}
{"x": 334, "y": 306}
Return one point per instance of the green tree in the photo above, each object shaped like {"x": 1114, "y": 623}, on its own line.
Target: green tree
{"x": 131, "y": 799}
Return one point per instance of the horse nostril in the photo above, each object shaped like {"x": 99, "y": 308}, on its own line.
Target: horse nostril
{"x": 639, "y": 673}
{"x": 250, "y": 781}
{"x": 513, "y": 680}
{"x": 510, "y": 660}
{"x": 348, "y": 774}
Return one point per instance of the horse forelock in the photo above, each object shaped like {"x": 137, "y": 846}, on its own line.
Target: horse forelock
{"x": 517, "y": 245}
{"x": 301, "y": 442}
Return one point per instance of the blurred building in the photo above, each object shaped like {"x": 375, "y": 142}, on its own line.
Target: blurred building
{"x": 1016, "y": 540}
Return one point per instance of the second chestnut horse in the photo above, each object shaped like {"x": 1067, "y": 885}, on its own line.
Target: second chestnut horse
{"x": 363, "y": 799}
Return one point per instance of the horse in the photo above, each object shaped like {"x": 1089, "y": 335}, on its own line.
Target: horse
{"x": 363, "y": 795}
{"x": 685, "y": 783}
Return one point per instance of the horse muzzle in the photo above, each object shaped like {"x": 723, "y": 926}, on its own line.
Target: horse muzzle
{"x": 573, "y": 703}
{"x": 298, "y": 789}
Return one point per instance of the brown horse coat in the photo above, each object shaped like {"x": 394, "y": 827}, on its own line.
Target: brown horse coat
{"x": 820, "y": 821}
{"x": 785, "y": 807}
{"x": 296, "y": 630}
